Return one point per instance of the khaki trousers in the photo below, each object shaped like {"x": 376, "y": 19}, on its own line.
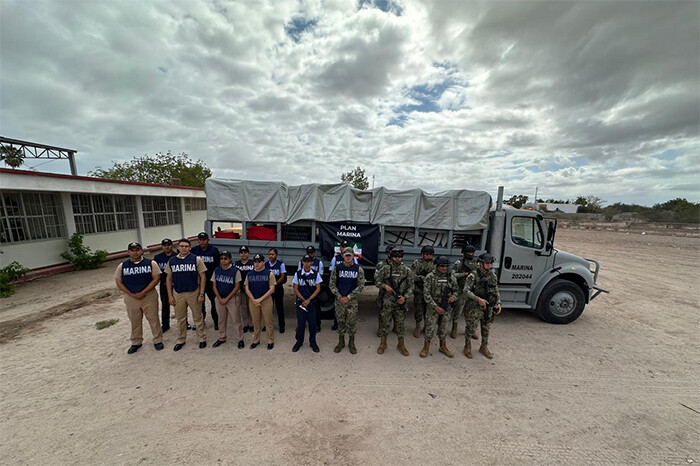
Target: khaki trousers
{"x": 266, "y": 311}
{"x": 136, "y": 309}
{"x": 241, "y": 301}
{"x": 235, "y": 311}
{"x": 182, "y": 302}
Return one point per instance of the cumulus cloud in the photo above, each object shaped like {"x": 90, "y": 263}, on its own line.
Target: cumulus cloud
{"x": 577, "y": 97}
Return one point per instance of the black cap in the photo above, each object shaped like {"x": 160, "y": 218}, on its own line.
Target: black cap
{"x": 258, "y": 258}
{"x": 134, "y": 245}
{"x": 166, "y": 241}
{"x": 243, "y": 249}
{"x": 225, "y": 253}
{"x": 310, "y": 249}
{"x": 202, "y": 235}
{"x": 306, "y": 258}
{"x": 468, "y": 248}
{"x": 344, "y": 244}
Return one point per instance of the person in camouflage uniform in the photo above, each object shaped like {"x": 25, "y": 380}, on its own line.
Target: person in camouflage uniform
{"x": 380, "y": 295}
{"x": 396, "y": 280}
{"x": 347, "y": 282}
{"x": 483, "y": 302}
{"x": 421, "y": 268}
{"x": 439, "y": 292}
{"x": 460, "y": 270}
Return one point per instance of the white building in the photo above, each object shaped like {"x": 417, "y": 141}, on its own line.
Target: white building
{"x": 562, "y": 208}
{"x": 40, "y": 211}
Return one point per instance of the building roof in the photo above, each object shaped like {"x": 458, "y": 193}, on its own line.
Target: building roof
{"x": 25, "y": 180}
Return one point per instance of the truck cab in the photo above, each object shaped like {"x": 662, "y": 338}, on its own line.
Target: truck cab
{"x": 532, "y": 274}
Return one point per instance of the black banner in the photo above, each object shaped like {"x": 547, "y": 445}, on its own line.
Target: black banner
{"x": 363, "y": 238}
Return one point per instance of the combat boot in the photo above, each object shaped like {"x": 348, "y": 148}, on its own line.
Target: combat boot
{"x": 444, "y": 350}
{"x": 453, "y": 333}
{"x": 475, "y": 336}
{"x": 416, "y": 332}
{"x": 468, "y": 349}
{"x": 483, "y": 349}
{"x": 382, "y": 346}
{"x": 402, "y": 349}
{"x": 340, "y": 345}
{"x": 394, "y": 329}
{"x": 379, "y": 331}
{"x": 424, "y": 351}
{"x": 351, "y": 345}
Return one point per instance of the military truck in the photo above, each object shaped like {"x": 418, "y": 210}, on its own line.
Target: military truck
{"x": 532, "y": 274}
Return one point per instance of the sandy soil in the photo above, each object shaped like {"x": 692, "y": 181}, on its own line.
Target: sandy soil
{"x": 619, "y": 385}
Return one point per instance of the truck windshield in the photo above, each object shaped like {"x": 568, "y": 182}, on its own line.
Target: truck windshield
{"x": 525, "y": 231}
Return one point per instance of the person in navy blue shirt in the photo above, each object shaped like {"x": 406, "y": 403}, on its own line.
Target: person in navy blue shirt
{"x": 280, "y": 271}
{"x": 259, "y": 286}
{"x": 210, "y": 256}
{"x": 244, "y": 265}
{"x": 162, "y": 260}
{"x": 137, "y": 278}
{"x": 227, "y": 284}
{"x": 186, "y": 276}
{"x": 307, "y": 285}
{"x": 317, "y": 266}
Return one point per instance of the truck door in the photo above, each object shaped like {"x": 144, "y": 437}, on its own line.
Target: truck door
{"x": 524, "y": 258}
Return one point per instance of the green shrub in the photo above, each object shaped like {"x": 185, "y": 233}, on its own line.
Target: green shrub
{"x": 81, "y": 256}
{"x": 105, "y": 323}
{"x": 9, "y": 274}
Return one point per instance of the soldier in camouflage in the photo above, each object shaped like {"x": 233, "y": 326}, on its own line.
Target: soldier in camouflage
{"x": 347, "y": 282}
{"x": 482, "y": 303}
{"x": 421, "y": 268}
{"x": 460, "y": 270}
{"x": 440, "y": 292}
{"x": 396, "y": 280}
{"x": 380, "y": 295}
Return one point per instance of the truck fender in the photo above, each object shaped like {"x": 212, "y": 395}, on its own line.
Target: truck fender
{"x": 570, "y": 271}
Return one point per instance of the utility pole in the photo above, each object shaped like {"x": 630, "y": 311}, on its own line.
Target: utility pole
{"x": 372, "y": 181}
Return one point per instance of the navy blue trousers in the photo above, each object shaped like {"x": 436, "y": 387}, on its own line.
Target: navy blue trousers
{"x": 304, "y": 317}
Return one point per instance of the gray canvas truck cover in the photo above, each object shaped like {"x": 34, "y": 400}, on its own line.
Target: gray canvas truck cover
{"x": 272, "y": 202}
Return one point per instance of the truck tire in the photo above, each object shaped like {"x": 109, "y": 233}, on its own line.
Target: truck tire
{"x": 561, "y": 302}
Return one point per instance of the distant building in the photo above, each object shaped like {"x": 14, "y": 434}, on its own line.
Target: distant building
{"x": 561, "y": 208}
{"x": 40, "y": 211}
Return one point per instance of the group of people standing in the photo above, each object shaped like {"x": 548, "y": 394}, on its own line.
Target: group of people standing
{"x": 248, "y": 290}
{"x": 440, "y": 298}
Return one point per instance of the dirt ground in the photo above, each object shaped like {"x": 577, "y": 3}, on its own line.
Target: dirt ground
{"x": 619, "y": 385}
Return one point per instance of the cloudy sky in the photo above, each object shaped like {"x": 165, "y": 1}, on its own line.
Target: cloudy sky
{"x": 573, "y": 97}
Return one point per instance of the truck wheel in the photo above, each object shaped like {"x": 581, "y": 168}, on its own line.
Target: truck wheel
{"x": 561, "y": 302}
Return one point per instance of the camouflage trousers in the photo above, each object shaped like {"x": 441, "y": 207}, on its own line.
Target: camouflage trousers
{"x": 388, "y": 311}
{"x": 473, "y": 314}
{"x": 433, "y": 322}
{"x": 418, "y": 304}
{"x": 380, "y": 302}
{"x": 346, "y": 314}
{"x": 458, "y": 309}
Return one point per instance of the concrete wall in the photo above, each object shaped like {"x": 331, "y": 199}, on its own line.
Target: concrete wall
{"x": 155, "y": 235}
{"x": 193, "y": 222}
{"x": 34, "y": 254}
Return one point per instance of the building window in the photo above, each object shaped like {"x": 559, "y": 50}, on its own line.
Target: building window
{"x": 99, "y": 213}
{"x": 160, "y": 211}
{"x": 195, "y": 204}
{"x": 30, "y": 217}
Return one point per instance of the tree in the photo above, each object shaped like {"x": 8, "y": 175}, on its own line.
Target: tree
{"x": 160, "y": 168}
{"x": 355, "y": 178}
{"x": 517, "y": 201}
{"x": 12, "y": 156}
{"x": 589, "y": 205}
